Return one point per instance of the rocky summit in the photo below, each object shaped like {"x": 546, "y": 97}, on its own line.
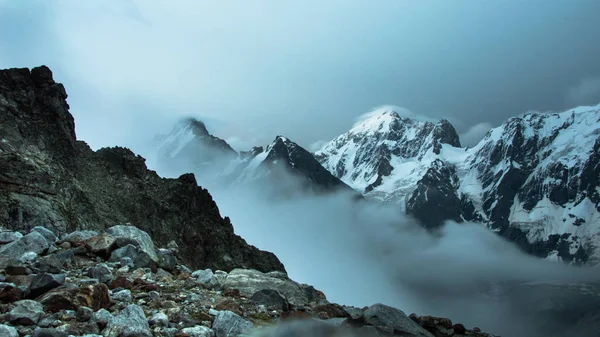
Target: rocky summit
{"x": 117, "y": 283}
{"x": 50, "y": 179}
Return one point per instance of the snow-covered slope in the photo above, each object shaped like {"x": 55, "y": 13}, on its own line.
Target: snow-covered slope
{"x": 539, "y": 181}
{"x": 385, "y": 155}
{"x": 534, "y": 179}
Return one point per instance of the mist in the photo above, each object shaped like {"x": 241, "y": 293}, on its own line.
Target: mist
{"x": 360, "y": 253}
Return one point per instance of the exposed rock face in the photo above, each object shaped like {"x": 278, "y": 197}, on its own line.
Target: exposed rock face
{"x": 49, "y": 179}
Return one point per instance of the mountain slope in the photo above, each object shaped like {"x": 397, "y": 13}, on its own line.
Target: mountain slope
{"x": 534, "y": 180}
{"x": 283, "y": 164}
{"x": 189, "y": 147}
{"x": 49, "y": 178}
{"x": 384, "y": 156}
{"x": 539, "y": 177}
{"x": 286, "y": 167}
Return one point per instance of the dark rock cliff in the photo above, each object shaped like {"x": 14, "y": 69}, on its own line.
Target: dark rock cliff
{"x": 49, "y": 178}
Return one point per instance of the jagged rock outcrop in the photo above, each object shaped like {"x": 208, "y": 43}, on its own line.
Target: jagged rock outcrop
{"x": 48, "y": 178}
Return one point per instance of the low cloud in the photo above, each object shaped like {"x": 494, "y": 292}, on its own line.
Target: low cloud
{"x": 474, "y": 134}
{"x": 586, "y": 92}
{"x": 361, "y": 253}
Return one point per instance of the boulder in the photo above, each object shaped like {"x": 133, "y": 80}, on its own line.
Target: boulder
{"x": 49, "y": 264}
{"x": 159, "y": 319}
{"x": 101, "y": 245}
{"x": 393, "y": 321}
{"x": 69, "y": 297}
{"x": 9, "y": 236}
{"x": 130, "y": 322}
{"x": 140, "y": 258}
{"x": 43, "y": 283}
{"x": 249, "y": 281}
{"x": 271, "y": 299}
{"x": 133, "y": 233}
{"x": 8, "y": 331}
{"x": 122, "y": 296}
{"x": 229, "y": 324}
{"x": 26, "y": 312}
{"x": 198, "y": 331}
{"x": 166, "y": 259}
{"x": 102, "y": 273}
{"x": 78, "y": 238}
{"x": 9, "y": 292}
{"x": 46, "y": 233}
{"x": 32, "y": 242}
{"x": 206, "y": 278}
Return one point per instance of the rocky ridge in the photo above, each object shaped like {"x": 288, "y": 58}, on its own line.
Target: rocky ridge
{"x": 49, "y": 178}
{"x": 116, "y": 283}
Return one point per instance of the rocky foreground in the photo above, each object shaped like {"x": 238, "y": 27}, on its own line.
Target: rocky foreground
{"x": 117, "y": 284}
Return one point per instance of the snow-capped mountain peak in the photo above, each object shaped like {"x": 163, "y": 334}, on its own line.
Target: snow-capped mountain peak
{"x": 380, "y": 143}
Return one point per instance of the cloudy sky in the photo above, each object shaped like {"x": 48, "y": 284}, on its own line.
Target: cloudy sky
{"x": 304, "y": 69}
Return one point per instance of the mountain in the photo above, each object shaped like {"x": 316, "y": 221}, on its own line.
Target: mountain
{"x": 533, "y": 180}
{"x": 49, "y": 178}
{"x": 191, "y": 148}
{"x": 284, "y": 157}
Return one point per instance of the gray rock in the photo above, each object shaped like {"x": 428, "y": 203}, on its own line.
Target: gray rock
{"x": 153, "y": 295}
{"x": 159, "y": 319}
{"x": 393, "y": 320}
{"x": 78, "y": 237}
{"x": 220, "y": 276}
{"x": 166, "y": 259}
{"x": 49, "y": 264}
{"x": 199, "y": 331}
{"x": 229, "y": 324}
{"x": 184, "y": 269}
{"x": 49, "y": 332}
{"x": 249, "y": 281}
{"x": 43, "y": 283}
{"x": 102, "y": 317}
{"x": 122, "y": 296}
{"x": 126, "y": 262}
{"x": 26, "y": 312}
{"x": 193, "y": 297}
{"x": 139, "y": 257}
{"x": 142, "y": 238}
{"x": 84, "y": 314}
{"x": 46, "y": 233}
{"x": 8, "y": 331}
{"x": 131, "y": 322}
{"x": 32, "y": 242}
{"x": 102, "y": 273}
{"x": 271, "y": 299}
{"x": 8, "y": 237}
{"x": 28, "y": 257}
{"x": 206, "y": 278}
{"x": 354, "y": 313}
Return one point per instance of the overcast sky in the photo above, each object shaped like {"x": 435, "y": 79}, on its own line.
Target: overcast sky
{"x": 304, "y": 69}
